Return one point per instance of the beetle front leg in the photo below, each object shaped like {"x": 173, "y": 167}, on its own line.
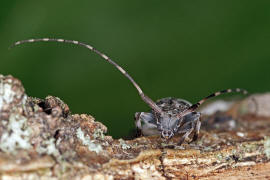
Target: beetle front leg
{"x": 191, "y": 122}
{"x": 146, "y": 123}
{"x": 197, "y": 129}
{"x": 187, "y": 133}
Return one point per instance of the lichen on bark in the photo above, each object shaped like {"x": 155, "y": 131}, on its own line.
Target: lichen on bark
{"x": 40, "y": 138}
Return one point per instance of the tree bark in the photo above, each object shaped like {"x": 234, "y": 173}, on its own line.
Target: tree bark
{"x": 41, "y": 139}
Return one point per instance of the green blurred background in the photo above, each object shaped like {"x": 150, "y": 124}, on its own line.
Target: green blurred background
{"x": 185, "y": 49}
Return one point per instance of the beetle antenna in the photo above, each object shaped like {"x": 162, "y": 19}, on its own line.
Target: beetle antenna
{"x": 196, "y": 105}
{"x": 145, "y": 98}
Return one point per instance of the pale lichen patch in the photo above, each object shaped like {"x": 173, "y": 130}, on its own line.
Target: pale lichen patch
{"x": 6, "y": 94}
{"x": 17, "y": 135}
{"x": 267, "y": 147}
{"x": 48, "y": 147}
{"x": 85, "y": 139}
{"x": 11, "y": 93}
{"x": 124, "y": 145}
{"x": 98, "y": 134}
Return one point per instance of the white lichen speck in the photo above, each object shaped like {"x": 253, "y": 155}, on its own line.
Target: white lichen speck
{"x": 240, "y": 134}
{"x": 17, "y": 135}
{"x": 124, "y": 145}
{"x": 85, "y": 139}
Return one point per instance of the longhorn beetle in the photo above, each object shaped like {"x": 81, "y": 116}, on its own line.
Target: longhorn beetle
{"x": 168, "y": 116}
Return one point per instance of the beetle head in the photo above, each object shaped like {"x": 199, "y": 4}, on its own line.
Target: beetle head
{"x": 168, "y": 125}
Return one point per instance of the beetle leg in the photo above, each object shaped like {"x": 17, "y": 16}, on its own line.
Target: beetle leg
{"x": 197, "y": 129}
{"x": 188, "y": 132}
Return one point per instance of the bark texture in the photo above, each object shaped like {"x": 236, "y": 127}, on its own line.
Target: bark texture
{"x": 41, "y": 139}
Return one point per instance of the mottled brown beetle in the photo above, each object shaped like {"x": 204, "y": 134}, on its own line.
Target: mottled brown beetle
{"x": 168, "y": 116}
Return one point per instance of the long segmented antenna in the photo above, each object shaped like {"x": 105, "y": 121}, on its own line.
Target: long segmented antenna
{"x": 196, "y": 105}
{"x": 145, "y": 98}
